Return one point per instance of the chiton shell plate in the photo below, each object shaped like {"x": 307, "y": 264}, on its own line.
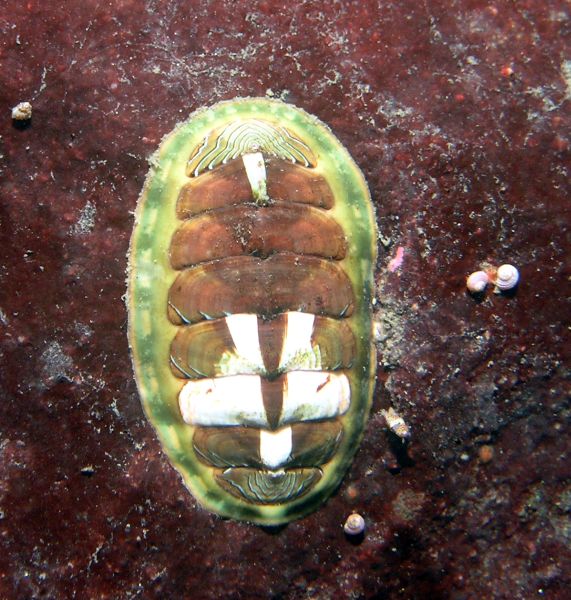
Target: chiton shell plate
{"x": 250, "y": 325}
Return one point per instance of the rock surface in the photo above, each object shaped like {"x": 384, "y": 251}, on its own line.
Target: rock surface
{"x": 458, "y": 114}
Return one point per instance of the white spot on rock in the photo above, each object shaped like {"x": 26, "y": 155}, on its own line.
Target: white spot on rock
{"x": 57, "y": 365}
{"x": 86, "y": 221}
{"x": 566, "y": 72}
{"x": 22, "y": 111}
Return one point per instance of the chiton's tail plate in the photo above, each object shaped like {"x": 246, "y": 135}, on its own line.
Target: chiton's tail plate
{"x": 250, "y": 284}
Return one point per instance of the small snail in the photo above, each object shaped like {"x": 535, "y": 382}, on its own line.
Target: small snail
{"x": 396, "y": 423}
{"x": 507, "y": 277}
{"x": 477, "y": 282}
{"x": 354, "y": 525}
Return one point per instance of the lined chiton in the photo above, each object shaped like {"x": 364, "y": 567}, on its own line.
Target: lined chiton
{"x": 251, "y": 274}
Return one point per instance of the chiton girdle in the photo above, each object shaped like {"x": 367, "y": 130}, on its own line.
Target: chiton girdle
{"x": 250, "y": 325}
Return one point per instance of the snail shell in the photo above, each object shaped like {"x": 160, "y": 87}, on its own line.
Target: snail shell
{"x": 507, "y": 277}
{"x": 396, "y": 423}
{"x": 477, "y": 282}
{"x": 354, "y": 525}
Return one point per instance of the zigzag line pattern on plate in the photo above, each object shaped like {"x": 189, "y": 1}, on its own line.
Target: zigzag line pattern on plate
{"x": 243, "y": 137}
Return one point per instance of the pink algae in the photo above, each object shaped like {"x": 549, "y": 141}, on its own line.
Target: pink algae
{"x": 397, "y": 260}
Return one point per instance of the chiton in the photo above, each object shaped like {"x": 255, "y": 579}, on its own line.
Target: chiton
{"x": 250, "y": 325}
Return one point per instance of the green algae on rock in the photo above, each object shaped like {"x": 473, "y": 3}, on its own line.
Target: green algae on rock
{"x": 250, "y": 325}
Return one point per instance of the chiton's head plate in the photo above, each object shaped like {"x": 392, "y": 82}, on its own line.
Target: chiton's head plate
{"x": 250, "y": 287}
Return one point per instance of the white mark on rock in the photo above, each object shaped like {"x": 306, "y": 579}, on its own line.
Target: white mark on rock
{"x": 566, "y": 72}
{"x": 86, "y": 221}
{"x": 57, "y": 365}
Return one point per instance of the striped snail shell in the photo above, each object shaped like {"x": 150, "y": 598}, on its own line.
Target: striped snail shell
{"x": 507, "y": 277}
{"x": 354, "y": 525}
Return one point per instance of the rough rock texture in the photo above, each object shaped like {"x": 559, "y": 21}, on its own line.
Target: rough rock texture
{"x": 458, "y": 113}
